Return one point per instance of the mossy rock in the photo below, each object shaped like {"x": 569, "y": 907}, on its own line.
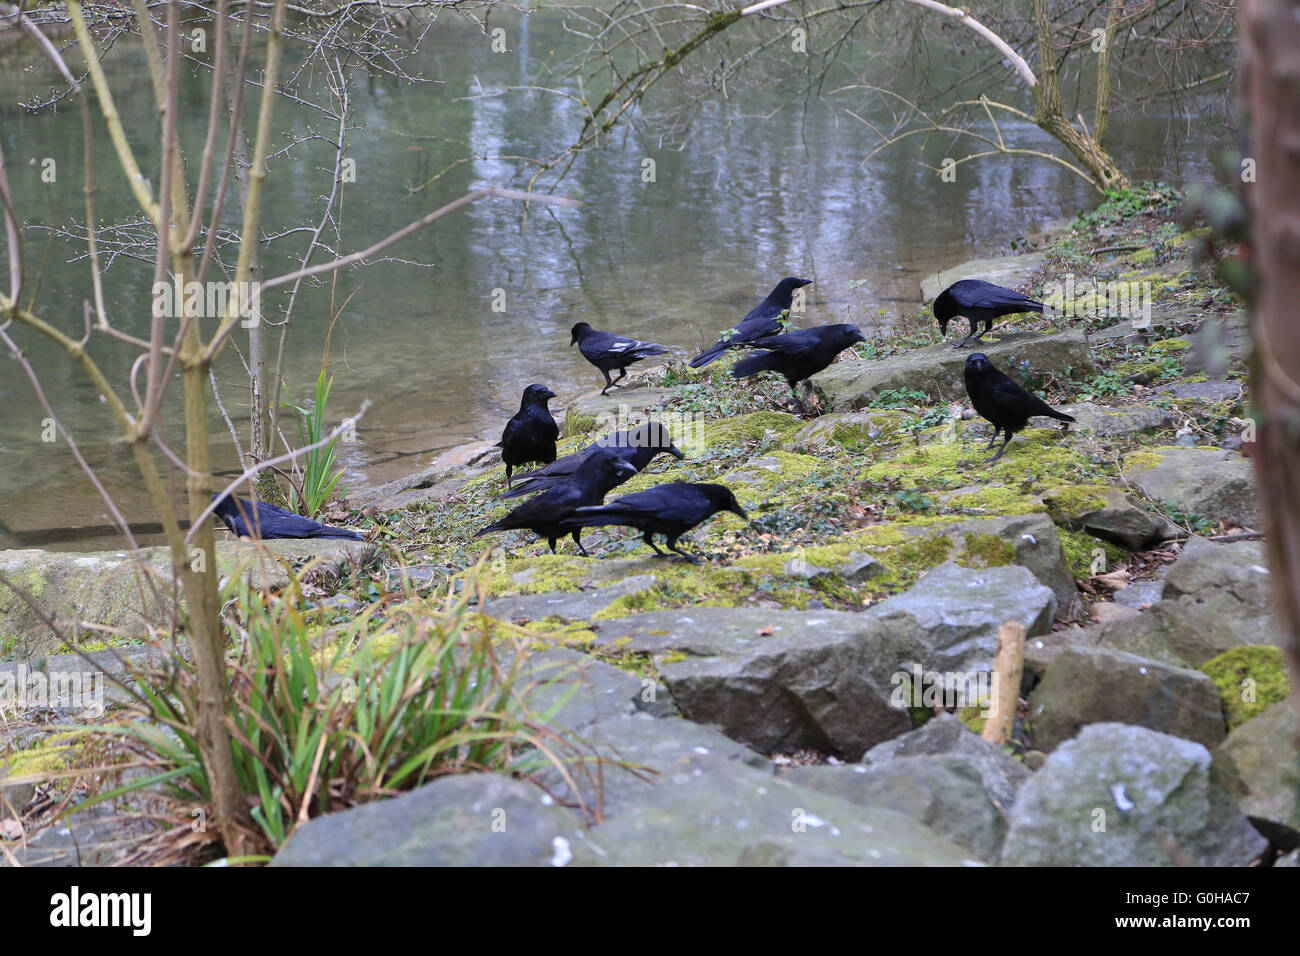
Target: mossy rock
{"x": 1263, "y": 666}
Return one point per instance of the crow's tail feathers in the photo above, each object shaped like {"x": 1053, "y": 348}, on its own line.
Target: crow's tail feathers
{"x": 1059, "y": 416}
{"x": 753, "y": 364}
{"x": 527, "y": 488}
{"x": 709, "y": 355}
{"x": 326, "y": 531}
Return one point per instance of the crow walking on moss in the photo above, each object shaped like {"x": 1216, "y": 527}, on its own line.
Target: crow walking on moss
{"x": 1002, "y": 401}
{"x": 798, "y": 355}
{"x": 637, "y": 446}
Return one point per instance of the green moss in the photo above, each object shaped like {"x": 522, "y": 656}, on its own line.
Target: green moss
{"x": 986, "y": 551}
{"x": 1143, "y": 460}
{"x": 1070, "y": 501}
{"x": 1169, "y": 346}
{"x": 1140, "y": 256}
{"x": 1251, "y": 679}
{"x": 1080, "y": 547}
{"x": 51, "y": 754}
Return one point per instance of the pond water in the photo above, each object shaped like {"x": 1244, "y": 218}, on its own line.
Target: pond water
{"x": 762, "y": 187}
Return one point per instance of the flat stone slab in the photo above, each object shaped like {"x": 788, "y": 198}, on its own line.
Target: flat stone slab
{"x": 1213, "y": 482}
{"x": 1211, "y": 392}
{"x": 937, "y": 370}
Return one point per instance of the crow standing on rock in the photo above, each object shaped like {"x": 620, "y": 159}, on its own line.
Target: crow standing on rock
{"x": 530, "y": 435}
{"x": 636, "y": 446}
{"x": 763, "y": 320}
{"x": 979, "y": 301}
{"x": 588, "y": 485}
{"x": 247, "y": 519}
{"x": 608, "y": 351}
{"x": 798, "y": 355}
{"x": 669, "y": 510}
{"x": 1002, "y": 401}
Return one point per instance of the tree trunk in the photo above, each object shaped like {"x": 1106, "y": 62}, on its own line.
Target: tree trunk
{"x": 1271, "y": 53}
{"x": 1050, "y": 116}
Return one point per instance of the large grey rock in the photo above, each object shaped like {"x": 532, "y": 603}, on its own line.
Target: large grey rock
{"x": 1212, "y": 482}
{"x": 1119, "y": 795}
{"x": 1210, "y": 393}
{"x": 788, "y": 680}
{"x": 1091, "y": 685}
{"x": 1216, "y": 597}
{"x": 945, "y": 735}
{"x": 1260, "y": 766}
{"x": 945, "y": 794}
{"x": 1010, "y": 271}
{"x": 1108, "y": 422}
{"x": 707, "y": 813}
{"x": 568, "y": 605}
{"x": 477, "y": 819}
{"x": 1122, "y": 521}
{"x": 937, "y": 370}
{"x": 777, "y": 680}
{"x": 1037, "y": 547}
{"x": 113, "y": 588}
{"x": 955, "y": 612}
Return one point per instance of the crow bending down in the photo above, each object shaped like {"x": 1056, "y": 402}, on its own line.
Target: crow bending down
{"x": 979, "y": 301}
{"x": 247, "y": 519}
{"x": 798, "y": 355}
{"x": 669, "y": 510}
{"x": 763, "y": 320}
{"x": 637, "y": 447}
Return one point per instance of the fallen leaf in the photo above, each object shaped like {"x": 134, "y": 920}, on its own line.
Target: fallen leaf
{"x": 766, "y": 631}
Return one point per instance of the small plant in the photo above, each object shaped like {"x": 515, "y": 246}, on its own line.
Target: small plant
{"x": 318, "y": 727}
{"x": 319, "y": 476}
{"x": 899, "y": 398}
{"x": 913, "y": 499}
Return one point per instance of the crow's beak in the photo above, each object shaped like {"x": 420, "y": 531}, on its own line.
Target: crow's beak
{"x": 573, "y": 340}
{"x": 676, "y": 452}
{"x": 549, "y": 394}
{"x": 943, "y": 326}
{"x": 626, "y": 467}
{"x": 739, "y": 511}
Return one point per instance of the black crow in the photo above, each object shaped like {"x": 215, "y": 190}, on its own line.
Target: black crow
{"x": 1002, "y": 401}
{"x": 763, "y": 320}
{"x": 669, "y": 510}
{"x": 798, "y": 355}
{"x": 531, "y": 434}
{"x": 637, "y": 447}
{"x": 608, "y": 351}
{"x": 247, "y": 519}
{"x": 979, "y": 301}
{"x": 588, "y": 485}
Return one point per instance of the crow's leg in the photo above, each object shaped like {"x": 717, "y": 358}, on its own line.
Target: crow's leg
{"x": 551, "y": 542}
{"x": 964, "y": 343}
{"x": 672, "y": 546}
{"x": 996, "y": 429}
{"x": 609, "y": 382}
{"x": 648, "y": 538}
{"x": 622, "y": 374}
{"x": 509, "y": 468}
{"x": 1000, "y": 450}
{"x": 578, "y": 542}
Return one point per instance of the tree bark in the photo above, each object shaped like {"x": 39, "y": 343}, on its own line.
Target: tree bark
{"x": 1271, "y": 75}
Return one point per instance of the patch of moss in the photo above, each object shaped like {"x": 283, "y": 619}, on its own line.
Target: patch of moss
{"x": 1080, "y": 548}
{"x": 1251, "y": 679}
{"x": 986, "y": 551}
{"x": 1169, "y": 346}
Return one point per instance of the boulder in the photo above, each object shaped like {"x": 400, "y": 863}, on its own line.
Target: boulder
{"x": 944, "y": 794}
{"x": 945, "y": 735}
{"x": 1260, "y": 766}
{"x": 1212, "y": 482}
{"x": 1119, "y": 795}
{"x": 479, "y": 819}
{"x": 1092, "y": 685}
{"x": 1123, "y": 521}
{"x": 1209, "y": 393}
{"x": 701, "y": 812}
{"x": 937, "y": 370}
{"x": 443, "y": 477}
{"x": 1108, "y": 422}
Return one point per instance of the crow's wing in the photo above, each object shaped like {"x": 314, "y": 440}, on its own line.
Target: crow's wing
{"x": 1013, "y": 397}
{"x": 794, "y": 344}
{"x": 672, "y": 502}
{"x": 978, "y": 294}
